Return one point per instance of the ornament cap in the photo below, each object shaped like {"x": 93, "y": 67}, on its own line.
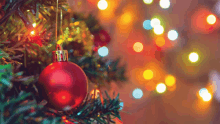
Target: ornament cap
{"x": 60, "y": 55}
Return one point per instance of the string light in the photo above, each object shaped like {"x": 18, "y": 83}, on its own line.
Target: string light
{"x": 160, "y": 41}
{"x": 172, "y": 35}
{"x": 148, "y": 74}
{"x": 158, "y": 29}
{"x": 32, "y": 32}
{"x": 147, "y": 1}
{"x": 170, "y": 80}
{"x": 102, "y": 4}
{"x": 193, "y": 57}
{"x": 137, "y": 93}
{"x": 211, "y": 19}
{"x": 103, "y": 51}
{"x": 138, "y": 47}
{"x": 161, "y": 88}
{"x": 164, "y": 4}
{"x": 34, "y": 25}
{"x": 96, "y": 92}
{"x": 147, "y": 25}
{"x": 154, "y": 22}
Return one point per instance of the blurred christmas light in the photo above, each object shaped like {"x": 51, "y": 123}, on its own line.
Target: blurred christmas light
{"x": 121, "y": 104}
{"x": 161, "y": 88}
{"x": 138, "y": 47}
{"x": 147, "y": 1}
{"x": 137, "y": 93}
{"x": 102, "y": 4}
{"x": 172, "y": 35}
{"x": 211, "y": 19}
{"x": 148, "y": 74}
{"x": 154, "y": 22}
{"x": 160, "y": 41}
{"x": 158, "y": 30}
{"x": 164, "y": 4}
{"x": 193, "y": 57}
{"x": 202, "y": 92}
{"x": 126, "y": 18}
{"x": 170, "y": 80}
{"x": 103, "y": 51}
{"x": 34, "y": 25}
{"x": 147, "y": 25}
{"x": 32, "y": 32}
{"x": 207, "y": 97}
{"x": 95, "y": 93}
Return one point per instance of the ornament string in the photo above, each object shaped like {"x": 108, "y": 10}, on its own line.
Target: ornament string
{"x": 56, "y": 21}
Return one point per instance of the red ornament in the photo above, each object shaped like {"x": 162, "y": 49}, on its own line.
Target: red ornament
{"x": 102, "y": 38}
{"x": 63, "y": 84}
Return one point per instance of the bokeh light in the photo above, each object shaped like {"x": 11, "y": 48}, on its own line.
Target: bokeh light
{"x": 103, "y": 51}
{"x": 148, "y": 74}
{"x": 211, "y": 19}
{"x": 121, "y": 104}
{"x": 160, "y": 41}
{"x": 147, "y": 25}
{"x": 102, "y": 4}
{"x": 95, "y": 93}
{"x": 137, "y": 93}
{"x": 126, "y": 18}
{"x": 147, "y": 1}
{"x": 172, "y": 35}
{"x": 207, "y": 97}
{"x": 164, "y": 4}
{"x": 158, "y": 29}
{"x": 170, "y": 80}
{"x": 32, "y": 32}
{"x": 154, "y": 22}
{"x": 34, "y": 25}
{"x": 193, "y": 57}
{"x": 138, "y": 47}
{"x": 202, "y": 92}
{"x": 161, "y": 88}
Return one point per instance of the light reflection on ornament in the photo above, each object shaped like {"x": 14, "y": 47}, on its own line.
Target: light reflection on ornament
{"x": 103, "y": 51}
{"x": 137, "y": 93}
{"x": 147, "y": 25}
{"x": 164, "y": 4}
{"x": 63, "y": 97}
{"x": 102, "y": 4}
{"x": 138, "y": 47}
{"x": 172, "y": 35}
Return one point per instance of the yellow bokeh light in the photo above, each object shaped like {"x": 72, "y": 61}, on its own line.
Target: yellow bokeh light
{"x": 32, "y": 32}
{"x": 158, "y": 29}
{"x": 211, "y": 19}
{"x": 102, "y": 4}
{"x": 170, "y": 80}
{"x": 34, "y": 25}
{"x": 138, "y": 47}
{"x": 126, "y": 18}
{"x": 207, "y": 97}
{"x": 148, "y": 74}
{"x": 193, "y": 57}
{"x": 160, "y": 41}
{"x": 147, "y": 1}
{"x": 154, "y": 22}
{"x": 161, "y": 88}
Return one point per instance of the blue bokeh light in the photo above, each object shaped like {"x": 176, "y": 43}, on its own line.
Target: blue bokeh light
{"x": 121, "y": 105}
{"x": 147, "y": 25}
{"x": 103, "y": 51}
{"x": 137, "y": 93}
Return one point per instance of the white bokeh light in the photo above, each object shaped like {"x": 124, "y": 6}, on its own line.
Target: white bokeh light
{"x": 172, "y": 35}
{"x": 164, "y": 4}
{"x": 158, "y": 30}
{"x": 103, "y": 51}
{"x": 154, "y": 22}
{"x": 137, "y": 93}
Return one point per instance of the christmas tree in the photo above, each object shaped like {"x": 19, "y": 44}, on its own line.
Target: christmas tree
{"x": 30, "y": 31}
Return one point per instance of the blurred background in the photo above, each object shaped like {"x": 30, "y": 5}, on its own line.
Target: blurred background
{"x": 171, "y": 49}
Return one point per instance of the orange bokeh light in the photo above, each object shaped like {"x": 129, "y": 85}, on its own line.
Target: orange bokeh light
{"x": 126, "y": 18}
{"x": 138, "y": 47}
{"x": 160, "y": 41}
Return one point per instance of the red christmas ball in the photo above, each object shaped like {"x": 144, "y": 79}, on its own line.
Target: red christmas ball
{"x": 63, "y": 84}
